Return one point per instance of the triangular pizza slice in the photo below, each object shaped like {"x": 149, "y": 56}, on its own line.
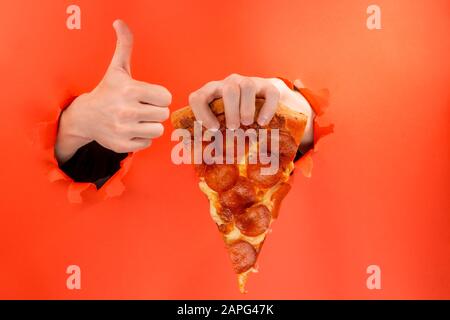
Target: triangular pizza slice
{"x": 243, "y": 201}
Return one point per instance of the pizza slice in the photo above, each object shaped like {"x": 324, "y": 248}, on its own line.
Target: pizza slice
{"x": 243, "y": 201}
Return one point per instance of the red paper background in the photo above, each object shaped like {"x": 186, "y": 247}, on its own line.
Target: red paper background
{"x": 379, "y": 193}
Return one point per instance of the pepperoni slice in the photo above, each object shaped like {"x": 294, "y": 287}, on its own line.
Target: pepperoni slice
{"x": 225, "y": 214}
{"x": 187, "y": 122}
{"x": 263, "y": 180}
{"x": 221, "y": 177}
{"x": 200, "y": 169}
{"x": 225, "y": 228}
{"x": 288, "y": 147}
{"x": 286, "y": 143}
{"x": 242, "y": 255}
{"x": 242, "y": 195}
{"x": 254, "y": 221}
{"x": 278, "y": 196}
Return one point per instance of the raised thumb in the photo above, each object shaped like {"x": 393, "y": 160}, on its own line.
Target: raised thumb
{"x": 124, "y": 46}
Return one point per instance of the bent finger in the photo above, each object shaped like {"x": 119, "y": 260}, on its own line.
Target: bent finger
{"x": 137, "y": 144}
{"x": 199, "y": 101}
{"x": 231, "y": 99}
{"x": 150, "y": 113}
{"x": 271, "y": 95}
{"x": 247, "y": 103}
{"x": 153, "y": 94}
{"x": 148, "y": 130}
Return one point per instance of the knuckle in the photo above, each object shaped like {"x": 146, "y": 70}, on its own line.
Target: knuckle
{"x": 247, "y": 83}
{"x": 233, "y": 77}
{"x": 129, "y": 91}
{"x": 273, "y": 91}
{"x": 230, "y": 88}
{"x": 118, "y": 128}
{"x": 126, "y": 114}
{"x": 196, "y": 97}
{"x": 193, "y": 96}
{"x": 212, "y": 84}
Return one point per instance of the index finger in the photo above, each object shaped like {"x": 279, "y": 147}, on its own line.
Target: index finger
{"x": 153, "y": 94}
{"x": 199, "y": 101}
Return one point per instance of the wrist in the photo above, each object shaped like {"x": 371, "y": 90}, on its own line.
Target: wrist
{"x": 71, "y": 136}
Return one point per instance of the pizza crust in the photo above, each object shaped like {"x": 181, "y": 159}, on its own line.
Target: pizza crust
{"x": 295, "y": 121}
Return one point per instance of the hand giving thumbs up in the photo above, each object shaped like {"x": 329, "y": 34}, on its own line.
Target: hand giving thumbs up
{"x": 121, "y": 114}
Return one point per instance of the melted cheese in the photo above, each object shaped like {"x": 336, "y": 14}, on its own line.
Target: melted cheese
{"x": 235, "y": 234}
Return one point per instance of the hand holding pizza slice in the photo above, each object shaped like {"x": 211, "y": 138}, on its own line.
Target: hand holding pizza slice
{"x": 243, "y": 200}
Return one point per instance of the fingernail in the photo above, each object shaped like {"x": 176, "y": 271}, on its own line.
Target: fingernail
{"x": 215, "y": 126}
{"x": 262, "y": 121}
{"x": 232, "y": 126}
